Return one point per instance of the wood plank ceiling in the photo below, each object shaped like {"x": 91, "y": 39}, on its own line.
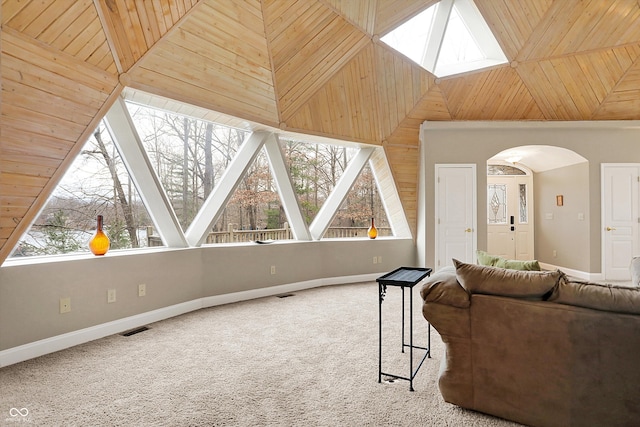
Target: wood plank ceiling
{"x": 310, "y": 66}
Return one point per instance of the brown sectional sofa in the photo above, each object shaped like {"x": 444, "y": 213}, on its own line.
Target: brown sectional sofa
{"x": 537, "y": 347}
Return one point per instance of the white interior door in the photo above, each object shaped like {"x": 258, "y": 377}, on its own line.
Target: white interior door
{"x": 619, "y": 219}
{"x": 455, "y": 214}
{"x": 509, "y": 216}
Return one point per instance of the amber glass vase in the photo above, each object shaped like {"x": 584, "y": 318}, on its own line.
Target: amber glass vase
{"x": 373, "y": 231}
{"x": 99, "y": 243}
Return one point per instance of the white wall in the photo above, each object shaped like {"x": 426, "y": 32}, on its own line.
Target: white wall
{"x": 554, "y": 223}
{"x": 185, "y": 279}
{"x": 476, "y": 142}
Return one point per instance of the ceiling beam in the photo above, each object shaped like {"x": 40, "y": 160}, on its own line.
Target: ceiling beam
{"x": 129, "y": 45}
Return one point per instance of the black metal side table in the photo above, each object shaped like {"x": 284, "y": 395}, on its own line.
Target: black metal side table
{"x": 404, "y": 277}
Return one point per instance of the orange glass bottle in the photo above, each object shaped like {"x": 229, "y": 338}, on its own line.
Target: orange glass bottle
{"x": 99, "y": 243}
{"x": 373, "y": 231}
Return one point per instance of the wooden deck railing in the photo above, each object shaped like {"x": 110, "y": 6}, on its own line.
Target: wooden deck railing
{"x": 237, "y": 236}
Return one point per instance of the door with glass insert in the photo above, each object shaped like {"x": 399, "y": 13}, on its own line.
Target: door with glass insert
{"x": 509, "y": 216}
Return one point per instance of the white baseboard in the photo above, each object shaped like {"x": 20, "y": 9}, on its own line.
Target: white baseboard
{"x": 70, "y": 339}
{"x": 571, "y": 272}
{"x": 282, "y": 289}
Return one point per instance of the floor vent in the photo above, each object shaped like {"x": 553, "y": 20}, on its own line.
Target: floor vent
{"x": 285, "y": 295}
{"x": 134, "y": 331}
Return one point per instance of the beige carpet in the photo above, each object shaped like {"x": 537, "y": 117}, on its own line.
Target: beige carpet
{"x": 310, "y": 359}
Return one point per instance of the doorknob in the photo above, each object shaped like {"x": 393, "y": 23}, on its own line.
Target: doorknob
{"x": 609, "y": 229}
{"x": 468, "y": 230}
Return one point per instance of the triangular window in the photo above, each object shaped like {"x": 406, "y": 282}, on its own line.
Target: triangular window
{"x": 363, "y": 203}
{"x": 96, "y": 183}
{"x": 254, "y": 211}
{"x": 450, "y": 37}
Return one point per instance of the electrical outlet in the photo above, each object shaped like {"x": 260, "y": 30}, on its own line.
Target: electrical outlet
{"x": 380, "y": 259}
{"x": 111, "y": 295}
{"x": 375, "y": 259}
{"x": 555, "y": 253}
{"x": 273, "y": 269}
{"x": 65, "y": 305}
{"x": 142, "y": 290}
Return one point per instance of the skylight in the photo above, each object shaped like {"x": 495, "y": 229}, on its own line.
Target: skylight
{"x": 450, "y": 37}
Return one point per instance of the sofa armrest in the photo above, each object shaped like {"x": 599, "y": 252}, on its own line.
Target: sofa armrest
{"x": 443, "y": 288}
{"x": 446, "y": 304}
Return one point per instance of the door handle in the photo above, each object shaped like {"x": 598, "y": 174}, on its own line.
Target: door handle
{"x": 468, "y": 230}
{"x": 609, "y": 228}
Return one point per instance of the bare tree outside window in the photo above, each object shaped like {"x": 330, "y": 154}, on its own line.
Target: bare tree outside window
{"x": 96, "y": 184}
{"x": 189, "y": 156}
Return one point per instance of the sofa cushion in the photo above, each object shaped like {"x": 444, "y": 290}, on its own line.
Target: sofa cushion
{"x": 618, "y": 299}
{"x": 443, "y": 288}
{"x": 477, "y": 279}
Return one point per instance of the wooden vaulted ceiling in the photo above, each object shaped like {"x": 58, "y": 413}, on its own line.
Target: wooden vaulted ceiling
{"x": 310, "y": 66}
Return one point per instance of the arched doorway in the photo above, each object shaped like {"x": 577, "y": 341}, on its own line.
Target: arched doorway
{"x": 554, "y": 169}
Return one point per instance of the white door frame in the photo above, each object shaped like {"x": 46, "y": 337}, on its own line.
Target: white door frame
{"x": 603, "y": 232}
{"x": 474, "y": 204}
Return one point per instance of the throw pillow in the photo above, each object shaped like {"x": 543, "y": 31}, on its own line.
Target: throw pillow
{"x": 485, "y": 258}
{"x": 477, "y": 279}
{"x": 514, "y": 264}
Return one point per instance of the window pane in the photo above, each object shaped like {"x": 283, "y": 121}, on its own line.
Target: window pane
{"x": 254, "y": 211}
{"x": 411, "y": 37}
{"x": 497, "y": 203}
{"x": 523, "y": 204}
{"x": 458, "y": 46}
{"x": 504, "y": 170}
{"x": 96, "y": 183}
{"x": 464, "y": 43}
{"x": 315, "y": 170}
{"x": 363, "y": 202}
{"x": 189, "y": 155}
